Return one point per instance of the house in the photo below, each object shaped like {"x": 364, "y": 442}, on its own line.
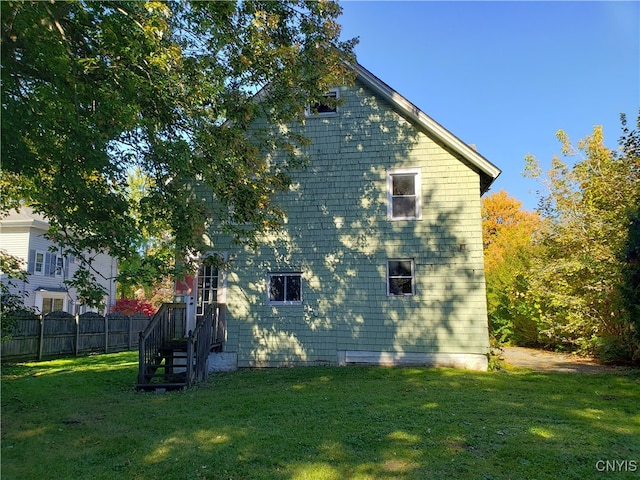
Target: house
{"x": 22, "y": 235}
{"x": 381, "y": 257}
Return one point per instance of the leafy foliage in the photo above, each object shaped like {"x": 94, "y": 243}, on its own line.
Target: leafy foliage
{"x": 152, "y": 261}
{"x": 630, "y": 142}
{"x": 11, "y": 305}
{"x": 129, "y": 306}
{"x": 509, "y": 242}
{"x": 93, "y": 90}
{"x": 583, "y": 274}
{"x": 569, "y": 278}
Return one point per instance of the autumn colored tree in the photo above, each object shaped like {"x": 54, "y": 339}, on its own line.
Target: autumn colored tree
{"x": 131, "y": 306}
{"x": 506, "y": 228}
{"x": 509, "y": 234}
{"x": 92, "y": 90}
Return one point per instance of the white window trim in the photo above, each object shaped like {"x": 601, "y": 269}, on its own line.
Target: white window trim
{"x": 42, "y": 264}
{"x": 59, "y": 270}
{"x": 41, "y": 296}
{"x": 309, "y": 114}
{"x": 220, "y": 284}
{"x": 222, "y": 273}
{"x": 413, "y": 277}
{"x": 418, "y": 186}
{"x": 283, "y": 274}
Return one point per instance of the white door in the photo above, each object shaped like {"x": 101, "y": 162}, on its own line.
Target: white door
{"x": 207, "y": 287}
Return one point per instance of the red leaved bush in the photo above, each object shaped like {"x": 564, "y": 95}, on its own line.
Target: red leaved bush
{"x": 129, "y": 306}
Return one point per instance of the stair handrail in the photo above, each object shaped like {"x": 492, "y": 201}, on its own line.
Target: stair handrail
{"x": 218, "y": 335}
{"x": 162, "y": 326}
{"x": 199, "y": 345}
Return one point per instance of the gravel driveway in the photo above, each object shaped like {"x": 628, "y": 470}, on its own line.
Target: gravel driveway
{"x": 543, "y": 361}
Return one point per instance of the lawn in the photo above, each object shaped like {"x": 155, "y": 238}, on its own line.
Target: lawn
{"x": 81, "y": 418}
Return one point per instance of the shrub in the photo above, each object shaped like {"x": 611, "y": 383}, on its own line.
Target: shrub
{"x": 129, "y": 306}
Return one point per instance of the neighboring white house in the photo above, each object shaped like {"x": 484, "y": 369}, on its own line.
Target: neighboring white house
{"x": 22, "y": 235}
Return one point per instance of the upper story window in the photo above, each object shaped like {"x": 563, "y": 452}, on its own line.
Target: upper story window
{"x": 325, "y": 108}
{"x": 403, "y": 194}
{"x": 39, "y": 263}
{"x": 285, "y": 288}
{"x": 45, "y": 263}
{"x": 59, "y": 265}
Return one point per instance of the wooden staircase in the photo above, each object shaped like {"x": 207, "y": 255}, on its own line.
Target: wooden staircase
{"x": 169, "y": 360}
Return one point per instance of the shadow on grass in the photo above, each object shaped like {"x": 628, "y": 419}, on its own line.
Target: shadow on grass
{"x": 88, "y": 363}
{"x": 315, "y": 423}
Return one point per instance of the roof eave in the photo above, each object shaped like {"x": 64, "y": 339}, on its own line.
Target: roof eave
{"x": 31, "y": 223}
{"x": 487, "y": 169}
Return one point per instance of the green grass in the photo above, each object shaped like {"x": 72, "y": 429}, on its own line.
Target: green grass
{"x": 81, "y": 418}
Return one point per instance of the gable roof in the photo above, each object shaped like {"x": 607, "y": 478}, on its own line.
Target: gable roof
{"x": 487, "y": 170}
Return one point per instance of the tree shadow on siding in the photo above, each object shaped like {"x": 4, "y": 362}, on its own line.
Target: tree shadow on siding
{"x": 338, "y": 235}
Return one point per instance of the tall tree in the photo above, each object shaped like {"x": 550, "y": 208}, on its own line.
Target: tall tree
{"x": 506, "y": 227}
{"x": 509, "y": 234}
{"x": 91, "y": 90}
{"x": 149, "y": 266}
{"x": 630, "y": 145}
{"x": 580, "y": 275}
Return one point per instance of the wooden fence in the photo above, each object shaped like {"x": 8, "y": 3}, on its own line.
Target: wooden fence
{"x": 61, "y": 334}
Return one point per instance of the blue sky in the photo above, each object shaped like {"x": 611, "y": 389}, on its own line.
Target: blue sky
{"x": 506, "y": 76}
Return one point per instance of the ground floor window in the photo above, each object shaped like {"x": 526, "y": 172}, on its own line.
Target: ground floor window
{"x": 52, "y": 305}
{"x": 285, "y": 288}
{"x": 401, "y": 277}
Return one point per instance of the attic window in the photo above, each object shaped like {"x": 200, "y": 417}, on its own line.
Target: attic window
{"x": 325, "y": 109}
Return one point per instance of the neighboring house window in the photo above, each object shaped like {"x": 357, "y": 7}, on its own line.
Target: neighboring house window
{"x": 45, "y": 263}
{"x": 403, "y": 192}
{"x": 59, "y": 265}
{"x": 285, "y": 288}
{"x": 52, "y": 305}
{"x": 39, "y": 263}
{"x": 325, "y": 109}
{"x": 401, "y": 277}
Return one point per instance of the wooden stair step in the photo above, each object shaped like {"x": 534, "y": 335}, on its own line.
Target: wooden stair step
{"x": 165, "y": 386}
{"x": 164, "y": 375}
{"x": 175, "y": 343}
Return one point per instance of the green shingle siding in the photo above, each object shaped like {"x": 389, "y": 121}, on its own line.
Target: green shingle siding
{"x": 338, "y": 235}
